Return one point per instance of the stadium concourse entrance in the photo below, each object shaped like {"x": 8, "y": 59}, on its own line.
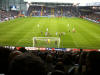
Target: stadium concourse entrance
{"x": 52, "y": 9}
{"x": 48, "y": 42}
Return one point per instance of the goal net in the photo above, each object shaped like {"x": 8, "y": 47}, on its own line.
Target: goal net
{"x": 48, "y": 42}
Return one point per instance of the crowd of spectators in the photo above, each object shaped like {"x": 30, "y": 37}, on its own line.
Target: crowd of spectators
{"x": 23, "y": 62}
{"x": 48, "y": 11}
{"x": 7, "y": 15}
{"x": 93, "y": 17}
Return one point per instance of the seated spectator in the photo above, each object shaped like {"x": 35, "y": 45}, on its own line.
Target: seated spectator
{"x": 49, "y": 64}
{"x": 13, "y": 54}
{"x": 4, "y": 54}
{"x": 59, "y": 69}
{"x": 60, "y": 66}
{"x": 93, "y": 63}
{"x": 27, "y": 64}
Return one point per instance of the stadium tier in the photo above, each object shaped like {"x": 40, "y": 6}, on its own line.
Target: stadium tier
{"x": 52, "y": 9}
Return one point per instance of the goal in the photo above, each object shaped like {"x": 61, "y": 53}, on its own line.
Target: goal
{"x": 48, "y": 42}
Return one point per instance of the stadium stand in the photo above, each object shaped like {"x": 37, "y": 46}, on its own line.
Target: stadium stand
{"x": 57, "y": 10}
{"x": 88, "y": 12}
{"x": 49, "y": 62}
{"x": 7, "y": 15}
{"x": 94, "y": 17}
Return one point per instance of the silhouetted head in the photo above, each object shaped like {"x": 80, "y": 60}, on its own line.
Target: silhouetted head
{"x": 27, "y": 64}
{"x": 13, "y": 54}
{"x": 59, "y": 66}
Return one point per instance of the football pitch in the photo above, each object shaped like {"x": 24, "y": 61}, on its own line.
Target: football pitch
{"x": 20, "y": 32}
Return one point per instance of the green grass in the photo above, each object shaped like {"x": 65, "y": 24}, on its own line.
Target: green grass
{"x": 19, "y": 32}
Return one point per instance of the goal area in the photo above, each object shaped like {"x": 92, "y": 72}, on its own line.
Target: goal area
{"x": 47, "y": 42}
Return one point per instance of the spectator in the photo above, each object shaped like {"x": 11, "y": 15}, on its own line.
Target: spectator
{"x": 4, "y": 54}
{"x": 27, "y": 64}
{"x": 13, "y": 54}
{"x": 60, "y": 66}
{"x": 93, "y": 63}
{"x": 49, "y": 63}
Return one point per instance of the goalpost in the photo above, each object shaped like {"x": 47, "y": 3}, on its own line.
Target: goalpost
{"x": 48, "y": 42}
